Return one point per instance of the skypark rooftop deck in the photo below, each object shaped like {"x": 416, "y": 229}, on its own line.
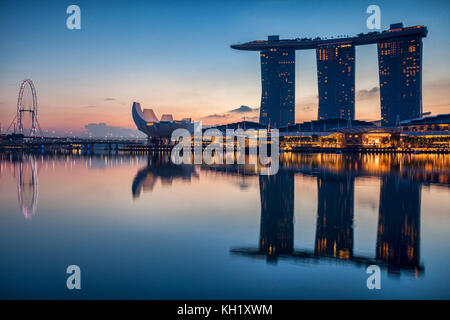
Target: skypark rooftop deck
{"x": 308, "y": 43}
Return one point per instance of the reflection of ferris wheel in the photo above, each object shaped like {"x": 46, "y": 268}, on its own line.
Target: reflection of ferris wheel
{"x": 21, "y": 109}
{"x": 27, "y": 185}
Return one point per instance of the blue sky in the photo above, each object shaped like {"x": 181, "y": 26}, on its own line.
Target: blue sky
{"x": 174, "y": 56}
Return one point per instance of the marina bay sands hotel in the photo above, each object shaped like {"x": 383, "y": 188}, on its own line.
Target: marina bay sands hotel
{"x": 399, "y": 65}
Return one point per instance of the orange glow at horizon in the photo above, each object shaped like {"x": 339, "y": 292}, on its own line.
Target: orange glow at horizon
{"x": 77, "y": 110}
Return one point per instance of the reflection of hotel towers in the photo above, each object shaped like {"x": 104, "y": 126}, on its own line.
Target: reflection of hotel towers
{"x": 398, "y": 231}
{"x": 398, "y": 240}
{"x": 277, "y": 214}
{"x": 334, "y": 229}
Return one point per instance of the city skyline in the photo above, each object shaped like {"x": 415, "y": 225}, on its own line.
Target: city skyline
{"x": 92, "y": 75}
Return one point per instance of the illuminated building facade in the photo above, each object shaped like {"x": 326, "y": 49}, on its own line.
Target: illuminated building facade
{"x": 278, "y": 86}
{"x": 336, "y": 81}
{"x": 400, "y": 71}
{"x": 428, "y": 134}
{"x": 435, "y": 124}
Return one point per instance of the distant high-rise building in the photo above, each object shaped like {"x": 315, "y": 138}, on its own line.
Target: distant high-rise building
{"x": 336, "y": 77}
{"x": 278, "y": 86}
{"x": 400, "y": 69}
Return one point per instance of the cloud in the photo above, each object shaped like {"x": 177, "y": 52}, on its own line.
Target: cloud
{"x": 104, "y": 130}
{"x": 254, "y": 118}
{"x": 216, "y": 116}
{"x": 110, "y": 99}
{"x": 368, "y": 94}
{"x": 90, "y": 107}
{"x": 243, "y": 109}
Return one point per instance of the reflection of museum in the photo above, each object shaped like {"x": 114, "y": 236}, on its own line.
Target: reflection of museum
{"x": 160, "y": 167}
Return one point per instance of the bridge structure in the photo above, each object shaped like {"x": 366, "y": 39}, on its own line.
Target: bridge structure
{"x": 399, "y": 64}
{"x": 81, "y": 144}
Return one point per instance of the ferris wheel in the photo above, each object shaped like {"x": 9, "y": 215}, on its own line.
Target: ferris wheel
{"x": 33, "y": 110}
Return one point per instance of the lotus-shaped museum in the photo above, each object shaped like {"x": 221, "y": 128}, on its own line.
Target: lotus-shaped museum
{"x": 147, "y": 122}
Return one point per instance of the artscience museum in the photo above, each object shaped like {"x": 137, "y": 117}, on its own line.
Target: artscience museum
{"x": 158, "y": 130}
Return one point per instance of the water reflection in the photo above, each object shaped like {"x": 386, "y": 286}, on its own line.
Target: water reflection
{"x": 334, "y": 227}
{"x": 314, "y": 226}
{"x": 277, "y": 215}
{"x": 398, "y": 235}
{"x": 27, "y": 185}
{"x": 160, "y": 167}
{"x": 397, "y": 246}
{"x": 398, "y": 238}
{"x": 24, "y": 169}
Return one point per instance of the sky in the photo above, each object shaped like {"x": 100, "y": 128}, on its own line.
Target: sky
{"x": 175, "y": 57}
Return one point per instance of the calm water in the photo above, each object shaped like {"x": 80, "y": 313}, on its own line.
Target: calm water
{"x": 140, "y": 227}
